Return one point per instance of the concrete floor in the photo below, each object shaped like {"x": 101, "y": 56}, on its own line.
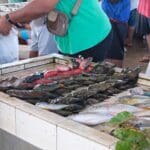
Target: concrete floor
{"x": 135, "y": 53}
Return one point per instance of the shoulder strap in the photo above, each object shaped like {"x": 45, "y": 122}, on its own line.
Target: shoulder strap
{"x": 76, "y": 7}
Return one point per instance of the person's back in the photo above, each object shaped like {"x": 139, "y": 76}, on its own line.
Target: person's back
{"x": 119, "y": 11}
{"x": 89, "y": 27}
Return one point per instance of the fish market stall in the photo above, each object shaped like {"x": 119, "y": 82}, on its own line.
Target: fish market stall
{"x": 49, "y": 99}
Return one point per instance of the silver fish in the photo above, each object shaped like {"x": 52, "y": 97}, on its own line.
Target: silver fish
{"x": 134, "y": 100}
{"x": 141, "y": 122}
{"x": 112, "y": 109}
{"x": 145, "y": 113}
{"x": 47, "y": 106}
{"x": 136, "y": 91}
{"x": 90, "y": 119}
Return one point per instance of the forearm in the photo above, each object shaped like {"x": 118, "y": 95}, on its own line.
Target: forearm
{"x": 33, "y": 10}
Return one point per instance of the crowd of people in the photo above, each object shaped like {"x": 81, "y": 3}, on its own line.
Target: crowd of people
{"x": 100, "y": 32}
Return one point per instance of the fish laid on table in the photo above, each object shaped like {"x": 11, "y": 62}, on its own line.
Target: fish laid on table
{"x": 7, "y": 83}
{"x": 136, "y": 91}
{"x": 31, "y": 94}
{"x": 90, "y": 119}
{"x": 112, "y": 109}
{"x": 71, "y": 109}
{"x": 49, "y": 106}
{"x": 67, "y": 100}
{"x": 32, "y": 78}
{"x": 134, "y": 100}
{"x": 145, "y": 113}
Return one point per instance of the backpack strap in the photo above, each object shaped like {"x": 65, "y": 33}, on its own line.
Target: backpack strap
{"x": 76, "y": 7}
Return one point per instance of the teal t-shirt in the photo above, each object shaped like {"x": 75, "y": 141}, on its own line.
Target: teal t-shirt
{"x": 89, "y": 27}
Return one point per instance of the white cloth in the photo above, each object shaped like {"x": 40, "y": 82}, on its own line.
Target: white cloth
{"x": 134, "y": 4}
{"x": 41, "y": 39}
{"x": 9, "y": 48}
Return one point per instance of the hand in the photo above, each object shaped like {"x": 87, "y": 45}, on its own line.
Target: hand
{"x": 5, "y": 26}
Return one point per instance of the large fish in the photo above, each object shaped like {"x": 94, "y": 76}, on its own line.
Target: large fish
{"x": 7, "y": 83}
{"x": 145, "y": 113}
{"x": 48, "y": 106}
{"x": 90, "y": 119}
{"x": 112, "y": 109}
{"x": 31, "y": 94}
{"x": 134, "y": 100}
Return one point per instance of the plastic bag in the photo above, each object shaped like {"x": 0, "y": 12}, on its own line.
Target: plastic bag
{"x": 9, "y": 47}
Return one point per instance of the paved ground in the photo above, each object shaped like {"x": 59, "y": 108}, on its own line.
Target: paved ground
{"x": 135, "y": 53}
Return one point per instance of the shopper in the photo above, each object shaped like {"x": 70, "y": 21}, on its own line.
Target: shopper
{"x": 132, "y": 22}
{"x": 89, "y": 32}
{"x": 118, "y": 12}
{"x": 143, "y": 24}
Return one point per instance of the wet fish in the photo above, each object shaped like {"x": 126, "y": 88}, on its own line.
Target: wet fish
{"x": 112, "y": 109}
{"x": 49, "y": 106}
{"x": 134, "y": 100}
{"x": 146, "y": 119}
{"x": 7, "y": 83}
{"x": 141, "y": 122}
{"x": 31, "y": 94}
{"x": 90, "y": 119}
{"x": 136, "y": 91}
{"x": 145, "y": 113}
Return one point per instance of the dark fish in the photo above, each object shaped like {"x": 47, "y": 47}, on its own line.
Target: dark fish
{"x": 31, "y": 94}
{"x": 34, "y": 77}
{"x": 7, "y": 83}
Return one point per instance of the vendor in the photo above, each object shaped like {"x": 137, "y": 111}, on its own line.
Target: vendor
{"x": 89, "y": 32}
{"x": 143, "y": 24}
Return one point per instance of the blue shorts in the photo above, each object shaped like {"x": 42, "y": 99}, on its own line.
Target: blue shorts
{"x": 132, "y": 18}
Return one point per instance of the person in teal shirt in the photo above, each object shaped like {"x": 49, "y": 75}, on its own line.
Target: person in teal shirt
{"x": 89, "y": 32}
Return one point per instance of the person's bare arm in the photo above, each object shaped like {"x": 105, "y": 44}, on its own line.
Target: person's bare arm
{"x": 33, "y": 10}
